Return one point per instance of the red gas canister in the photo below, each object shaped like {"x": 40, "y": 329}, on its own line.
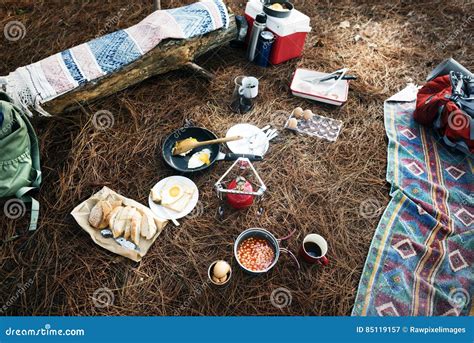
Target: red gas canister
{"x": 240, "y": 201}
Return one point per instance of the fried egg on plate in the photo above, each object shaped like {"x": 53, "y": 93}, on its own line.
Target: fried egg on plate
{"x": 171, "y": 193}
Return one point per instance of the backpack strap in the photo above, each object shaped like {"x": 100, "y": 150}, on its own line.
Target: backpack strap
{"x": 23, "y": 193}
{"x": 4, "y": 97}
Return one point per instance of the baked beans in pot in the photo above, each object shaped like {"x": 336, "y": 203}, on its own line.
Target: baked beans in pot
{"x": 256, "y": 250}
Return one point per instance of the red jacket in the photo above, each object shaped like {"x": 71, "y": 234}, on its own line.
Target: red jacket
{"x": 435, "y": 108}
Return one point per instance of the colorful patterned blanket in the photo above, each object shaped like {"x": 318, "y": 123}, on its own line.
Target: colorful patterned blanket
{"x": 34, "y": 84}
{"x": 421, "y": 258}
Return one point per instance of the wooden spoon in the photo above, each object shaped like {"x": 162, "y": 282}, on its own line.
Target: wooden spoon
{"x": 189, "y": 144}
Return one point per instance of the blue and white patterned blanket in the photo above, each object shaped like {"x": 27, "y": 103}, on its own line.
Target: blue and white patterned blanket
{"x": 42, "y": 81}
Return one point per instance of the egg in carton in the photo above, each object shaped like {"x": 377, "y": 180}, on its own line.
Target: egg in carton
{"x": 307, "y": 122}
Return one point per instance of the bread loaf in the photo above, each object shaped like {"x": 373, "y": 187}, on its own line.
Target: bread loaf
{"x": 135, "y": 227}
{"x": 127, "y": 221}
{"x": 106, "y": 210}
{"x": 147, "y": 225}
{"x": 118, "y": 225}
{"x": 98, "y": 217}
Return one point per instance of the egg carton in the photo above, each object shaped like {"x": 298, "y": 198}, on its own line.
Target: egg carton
{"x": 318, "y": 126}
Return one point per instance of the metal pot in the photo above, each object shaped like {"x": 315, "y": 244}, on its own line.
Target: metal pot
{"x": 270, "y": 238}
{"x": 277, "y": 14}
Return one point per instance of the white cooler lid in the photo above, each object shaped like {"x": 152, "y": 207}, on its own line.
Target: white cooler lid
{"x": 296, "y": 22}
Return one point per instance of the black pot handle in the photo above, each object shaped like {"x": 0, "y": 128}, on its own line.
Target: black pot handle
{"x": 233, "y": 157}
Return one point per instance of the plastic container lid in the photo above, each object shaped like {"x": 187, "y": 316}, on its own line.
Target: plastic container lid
{"x": 267, "y": 35}
{"x": 323, "y": 92}
{"x": 296, "y": 22}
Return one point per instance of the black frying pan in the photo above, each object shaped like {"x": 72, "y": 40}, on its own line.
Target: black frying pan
{"x": 180, "y": 163}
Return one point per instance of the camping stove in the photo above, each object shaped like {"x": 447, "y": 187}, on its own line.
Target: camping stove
{"x": 236, "y": 188}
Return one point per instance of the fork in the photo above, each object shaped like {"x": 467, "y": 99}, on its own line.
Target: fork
{"x": 269, "y": 133}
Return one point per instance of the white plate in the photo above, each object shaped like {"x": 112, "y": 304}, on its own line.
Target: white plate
{"x": 251, "y": 133}
{"x": 166, "y": 213}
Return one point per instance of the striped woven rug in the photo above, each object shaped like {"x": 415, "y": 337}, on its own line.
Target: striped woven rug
{"x": 420, "y": 262}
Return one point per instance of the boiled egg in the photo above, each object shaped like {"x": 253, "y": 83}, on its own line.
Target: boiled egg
{"x": 221, "y": 268}
{"x": 308, "y": 115}
{"x": 298, "y": 113}
{"x": 292, "y": 123}
{"x": 200, "y": 158}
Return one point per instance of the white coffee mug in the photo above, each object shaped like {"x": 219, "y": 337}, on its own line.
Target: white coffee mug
{"x": 249, "y": 88}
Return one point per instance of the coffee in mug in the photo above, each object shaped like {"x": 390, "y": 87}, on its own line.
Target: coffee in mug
{"x": 314, "y": 249}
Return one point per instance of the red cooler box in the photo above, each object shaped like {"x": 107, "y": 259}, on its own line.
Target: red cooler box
{"x": 290, "y": 33}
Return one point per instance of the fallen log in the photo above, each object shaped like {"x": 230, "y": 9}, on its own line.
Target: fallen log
{"x": 171, "y": 54}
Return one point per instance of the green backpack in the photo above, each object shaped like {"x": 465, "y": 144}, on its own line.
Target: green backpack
{"x": 19, "y": 161}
